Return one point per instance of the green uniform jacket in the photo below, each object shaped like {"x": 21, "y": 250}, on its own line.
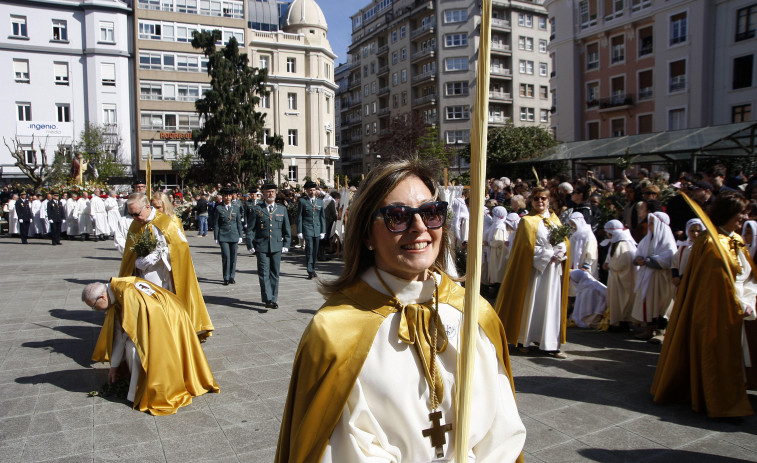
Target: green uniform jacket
{"x": 227, "y": 224}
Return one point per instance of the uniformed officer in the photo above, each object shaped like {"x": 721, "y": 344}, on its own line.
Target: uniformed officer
{"x": 55, "y": 215}
{"x": 251, "y": 199}
{"x": 25, "y": 216}
{"x": 311, "y": 225}
{"x": 228, "y": 232}
{"x": 268, "y": 224}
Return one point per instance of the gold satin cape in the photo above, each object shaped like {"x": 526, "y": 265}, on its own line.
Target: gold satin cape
{"x": 174, "y": 367}
{"x": 331, "y": 355}
{"x": 702, "y": 358}
{"x": 182, "y": 269}
{"x": 512, "y": 292}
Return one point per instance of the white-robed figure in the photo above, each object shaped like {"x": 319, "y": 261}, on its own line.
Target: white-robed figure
{"x": 621, "y": 278}
{"x": 693, "y": 228}
{"x": 121, "y": 232}
{"x": 654, "y": 288}
{"x": 99, "y": 215}
{"x": 113, "y": 211}
{"x": 485, "y": 247}
{"x": 495, "y": 238}
{"x": 72, "y": 221}
{"x": 583, "y": 248}
{"x": 749, "y": 233}
{"x": 10, "y": 207}
{"x": 591, "y": 299}
{"x": 43, "y": 225}
{"x": 460, "y": 219}
{"x": 156, "y": 267}
{"x": 83, "y": 216}
{"x": 36, "y": 227}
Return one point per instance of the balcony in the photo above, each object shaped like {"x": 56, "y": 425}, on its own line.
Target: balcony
{"x": 354, "y": 83}
{"x": 384, "y": 111}
{"x": 500, "y": 96}
{"x": 501, "y": 48}
{"x": 382, "y": 50}
{"x": 383, "y": 70}
{"x": 331, "y": 150}
{"x": 424, "y": 100}
{"x": 383, "y": 91}
{"x": 616, "y": 102}
{"x": 500, "y": 24}
{"x": 592, "y": 104}
{"x": 646, "y": 93}
{"x": 421, "y": 31}
{"x": 499, "y": 120}
{"x": 420, "y": 78}
{"x": 501, "y": 72}
{"x": 677, "y": 83}
{"x": 423, "y": 54}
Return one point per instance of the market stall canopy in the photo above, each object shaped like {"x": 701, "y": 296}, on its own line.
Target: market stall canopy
{"x": 676, "y": 145}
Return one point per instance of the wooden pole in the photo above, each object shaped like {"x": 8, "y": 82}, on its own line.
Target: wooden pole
{"x": 473, "y": 273}
{"x": 446, "y": 177}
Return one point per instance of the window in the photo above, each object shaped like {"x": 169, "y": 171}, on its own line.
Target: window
{"x": 592, "y": 95}
{"x": 678, "y": 28}
{"x": 543, "y": 69}
{"x": 587, "y": 13}
{"x": 328, "y": 105}
{"x": 646, "y": 85}
{"x": 542, "y": 46}
{"x": 618, "y": 49}
{"x": 373, "y": 107}
{"x": 107, "y": 32}
{"x": 403, "y": 75}
{"x": 527, "y": 114}
{"x": 366, "y": 90}
{"x": 646, "y": 41}
{"x": 526, "y": 67}
{"x": 404, "y": 98}
{"x": 60, "y": 30}
{"x": 456, "y": 88}
{"x": 30, "y": 156}
{"x": 403, "y": 32}
{"x": 552, "y": 29}
{"x": 403, "y": 54}
{"x": 21, "y": 70}
{"x": 373, "y": 88}
{"x": 592, "y": 56}
{"x": 637, "y": 5}
{"x": 677, "y": 119}
{"x": 61, "y": 73}
{"x": 64, "y": 112}
{"x": 542, "y": 23}
{"x": 613, "y": 9}
{"x": 543, "y": 115}
{"x": 592, "y": 130}
{"x": 291, "y": 65}
{"x": 24, "y": 111}
{"x": 394, "y": 35}
{"x": 746, "y": 22}
{"x": 367, "y": 109}
{"x": 367, "y": 129}
{"x": 458, "y": 113}
{"x": 455, "y": 40}
{"x": 18, "y": 27}
{"x": 456, "y": 64}
{"x": 618, "y": 91}
{"x": 618, "y": 127}
{"x": 525, "y": 43}
{"x": 527, "y": 90}
{"x": 292, "y": 137}
{"x": 395, "y": 79}
{"x": 645, "y": 124}
{"x": 292, "y": 174}
{"x": 742, "y": 71}
{"x": 677, "y": 76}
{"x": 263, "y": 62}
{"x": 525, "y": 20}
{"x": 455, "y": 16}
{"x": 109, "y": 114}
{"x": 265, "y": 101}
{"x": 741, "y": 113}
{"x": 395, "y": 101}
{"x": 150, "y": 91}
{"x": 292, "y": 101}
{"x": 395, "y": 57}
{"x": 108, "y": 74}
{"x": 457, "y": 136}
{"x": 543, "y": 92}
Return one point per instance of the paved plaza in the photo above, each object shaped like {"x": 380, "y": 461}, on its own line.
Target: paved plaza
{"x": 595, "y": 406}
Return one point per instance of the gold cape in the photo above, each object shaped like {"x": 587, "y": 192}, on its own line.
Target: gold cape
{"x": 174, "y": 367}
{"x": 182, "y": 269}
{"x": 512, "y": 292}
{"x": 702, "y": 358}
{"x": 331, "y": 355}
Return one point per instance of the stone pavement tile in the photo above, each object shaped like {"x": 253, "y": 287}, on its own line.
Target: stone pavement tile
{"x": 248, "y": 437}
{"x": 614, "y": 412}
{"x": 109, "y": 411}
{"x": 82, "y": 458}
{"x": 276, "y": 406}
{"x": 19, "y": 389}
{"x": 58, "y": 445}
{"x": 271, "y": 388}
{"x": 540, "y": 436}
{"x": 121, "y": 433}
{"x": 666, "y": 433}
{"x": 259, "y": 456}
{"x": 61, "y": 420}
{"x": 282, "y": 350}
{"x": 232, "y": 393}
{"x": 240, "y": 413}
{"x": 537, "y": 404}
{"x": 186, "y": 422}
{"x": 259, "y": 332}
{"x": 208, "y": 446}
{"x": 574, "y": 452}
{"x": 742, "y": 438}
{"x": 711, "y": 449}
{"x": 18, "y": 407}
{"x": 573, "y": 421}
{"x": 63, "y": 400}
{"x": 228, "y": 336}
{"x": 616, "y": 438}
{"x": 11, "y": 449}
{"x": 148, "y": 452}
{"x": 530, "y": 458}
{"x": 14, "y": 427}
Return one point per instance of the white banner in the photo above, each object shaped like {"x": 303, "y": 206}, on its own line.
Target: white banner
{"x": 41, "y": 129}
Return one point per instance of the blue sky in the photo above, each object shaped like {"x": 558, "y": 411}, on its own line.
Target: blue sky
{"x": 337, "y": 14}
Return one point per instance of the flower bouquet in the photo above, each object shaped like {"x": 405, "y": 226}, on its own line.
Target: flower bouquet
{"x": 558, "y": 234}
{"x": 144, "y": 243}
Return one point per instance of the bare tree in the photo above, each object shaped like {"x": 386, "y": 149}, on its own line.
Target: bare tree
{"x": 37, "y": 168}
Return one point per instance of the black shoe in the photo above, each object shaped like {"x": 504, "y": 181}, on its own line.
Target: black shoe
{"x": 315, "y": 275}
{"x": 226, "y": 282}
{"x": 231, "y": 280}
{"x": 273, "y": 305}
{"x": 267, "y": 305}
{"x": 310, "y": 276}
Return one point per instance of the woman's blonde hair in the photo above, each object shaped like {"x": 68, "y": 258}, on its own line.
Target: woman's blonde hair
{"x": 167, "y": 205}
{"x": 379, "y": 182}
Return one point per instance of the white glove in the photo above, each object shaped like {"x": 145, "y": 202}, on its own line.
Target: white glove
{"x": 240, "y": 241}
{"x": 20, "y": 221}
{"x": 284, "y": 250}
{"x": 216, "y": 241}
{"x": 323, "y": 235}
{"x": 252, "y": 249}
{"x": 51, "y": 221}
{"x": 299, "y": 235}
{"x": 149, "y": 260}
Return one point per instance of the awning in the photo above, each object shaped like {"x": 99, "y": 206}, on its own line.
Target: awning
{"x": 676, "y": 145}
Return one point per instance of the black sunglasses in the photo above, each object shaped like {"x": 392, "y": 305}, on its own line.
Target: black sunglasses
{"x": 136, "y": 214}
{"x": 398, "y": 218}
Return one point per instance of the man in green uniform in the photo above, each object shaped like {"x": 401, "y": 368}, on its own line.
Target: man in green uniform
{"x": 251, "y": 200}
{"x": 311, "y": 225}
{"x": 268, "y": 224}
{"x": 228, "y": 232}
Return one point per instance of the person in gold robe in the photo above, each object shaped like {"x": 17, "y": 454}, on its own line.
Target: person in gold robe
{"x": 147, "y": 327}
{"x": 381, "y": 353}
{"x": 169, "y": 265}
{"x": 533, "y": 299}
{"x": 703, "y": 358}
{"x": 162, "y": 202}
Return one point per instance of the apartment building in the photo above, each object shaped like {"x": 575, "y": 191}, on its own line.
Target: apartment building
{"x": 290, "y": 41}
{"x": 624, "y": 67}
{"x": 421, "y": 56}
{"x": 67, "y": 63}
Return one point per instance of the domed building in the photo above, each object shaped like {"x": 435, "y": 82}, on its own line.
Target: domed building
{"x": 289, "y": 39}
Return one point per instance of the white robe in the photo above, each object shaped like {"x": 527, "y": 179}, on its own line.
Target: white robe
{"x": 361, "y": 435}
{"x": 72, "y": 221}
{"x": 159, "y": 271}
{"x": 99, "y": 215}
{"x": 13, "y": 228}
{"x": 114, "y": 213}
{"x": 499, "y": 250}
{"x": 121, "y": 232}
{"x": 621, "y": 281}
{"x": 36, "y": 226}
{"x": 82, "y": 215}
{"x": 542, "y": 306}
{"x": 124, "y": 349}
{"x": 591, "y": 299}
{"x": 746, "y": 292}
{"x": 44, "y": 225}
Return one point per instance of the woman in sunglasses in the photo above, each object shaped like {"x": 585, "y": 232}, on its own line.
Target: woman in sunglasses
{"x": 375, "y": 372}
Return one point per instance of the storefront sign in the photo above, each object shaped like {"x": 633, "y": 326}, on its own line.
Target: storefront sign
{"x": 175, "y": 135}
{"x": 44, "y": 129}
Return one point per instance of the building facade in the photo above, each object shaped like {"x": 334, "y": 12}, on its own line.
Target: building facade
{"x": 421, "y": 57}
{"x": 67, "y": 63}
{"x": 628, "y": 67}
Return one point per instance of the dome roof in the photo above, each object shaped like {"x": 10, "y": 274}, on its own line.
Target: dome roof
{"x": 305, "y": 13}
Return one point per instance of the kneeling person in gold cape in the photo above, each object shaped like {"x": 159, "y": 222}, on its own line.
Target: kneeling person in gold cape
{"x": 148, "y": 327}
